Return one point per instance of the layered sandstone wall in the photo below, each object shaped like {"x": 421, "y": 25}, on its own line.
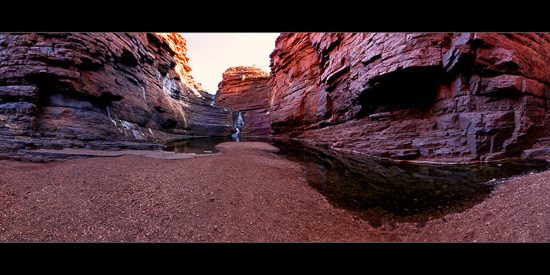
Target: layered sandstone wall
{"x": 244, "y": 89}
{"x": 440, "y": 96}
{"x": 98, "y": 89}
{"x": 421, "y": 96}
{"x": 436, "y": 97}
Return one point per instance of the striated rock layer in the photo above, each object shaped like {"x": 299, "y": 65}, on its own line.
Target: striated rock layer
{"x": 244, "y": 89}
{"x": 439, "y": 97}
{"x": 435, "y": 96}
{"x": 100, "y": 91}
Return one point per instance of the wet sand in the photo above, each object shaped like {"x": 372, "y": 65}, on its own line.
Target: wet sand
{"x": 243, "y": 194}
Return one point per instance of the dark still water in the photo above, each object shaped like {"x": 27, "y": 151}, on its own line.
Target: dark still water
{"x": 198, "y": 145}
{"x": 205, "y": 145}
{"x": 379, "y": 190}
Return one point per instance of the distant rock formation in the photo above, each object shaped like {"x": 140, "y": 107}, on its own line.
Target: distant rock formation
{"x": 243, "y": 89}
{"x": 99, "y": 91}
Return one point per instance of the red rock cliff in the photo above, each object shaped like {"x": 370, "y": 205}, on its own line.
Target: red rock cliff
{"x": 244, "y": 89}
{"x": 178, "y": 48}
{"x": 98, "y": 89}
{"x": 424, "y": 96}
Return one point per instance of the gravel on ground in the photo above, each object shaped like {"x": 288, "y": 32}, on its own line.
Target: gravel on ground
{"x": 245, "y": 193}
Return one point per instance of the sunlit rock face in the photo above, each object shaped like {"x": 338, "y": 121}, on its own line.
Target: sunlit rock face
{"x": 244, "y": 89}
{"x": 435, "y": 96}
{"x": 96, "y": 90}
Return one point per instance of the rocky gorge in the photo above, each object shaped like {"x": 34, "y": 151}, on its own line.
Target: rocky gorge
{"x": 99, "y": 91}
{"x": 443, "y": 98}
{"x": 435, "y": 97}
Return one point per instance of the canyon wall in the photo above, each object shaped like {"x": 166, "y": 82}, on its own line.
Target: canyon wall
{"x": 421, "y": 96}
{"x": 439, "y": 97}
{"x": 99, "y": 90}
{"x": 244, "y": 89}
{"x": 436, "y": 96}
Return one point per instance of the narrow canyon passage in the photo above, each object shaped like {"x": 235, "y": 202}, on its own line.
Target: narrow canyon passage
{"x": 456, "y": 98}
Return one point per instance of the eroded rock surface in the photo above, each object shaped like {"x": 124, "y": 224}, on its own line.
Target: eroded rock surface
{"x": 436, "y": 96}
{"x": 99, "y": 91}
{"x": 244, "y": 89}
{"x": 449, "y": 97}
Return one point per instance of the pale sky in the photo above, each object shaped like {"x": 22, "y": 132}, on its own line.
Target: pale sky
{"x": 210, "y": 54}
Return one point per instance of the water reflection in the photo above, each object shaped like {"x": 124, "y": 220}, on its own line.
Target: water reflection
{"x": 195, "y": 145}
{"x": 379, "y": 190}
{"x": 205, "y": 145}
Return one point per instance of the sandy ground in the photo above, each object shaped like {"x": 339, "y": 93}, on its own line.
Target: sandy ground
{"x": 68, "y": 152}
{"x": 243, "y": 194}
